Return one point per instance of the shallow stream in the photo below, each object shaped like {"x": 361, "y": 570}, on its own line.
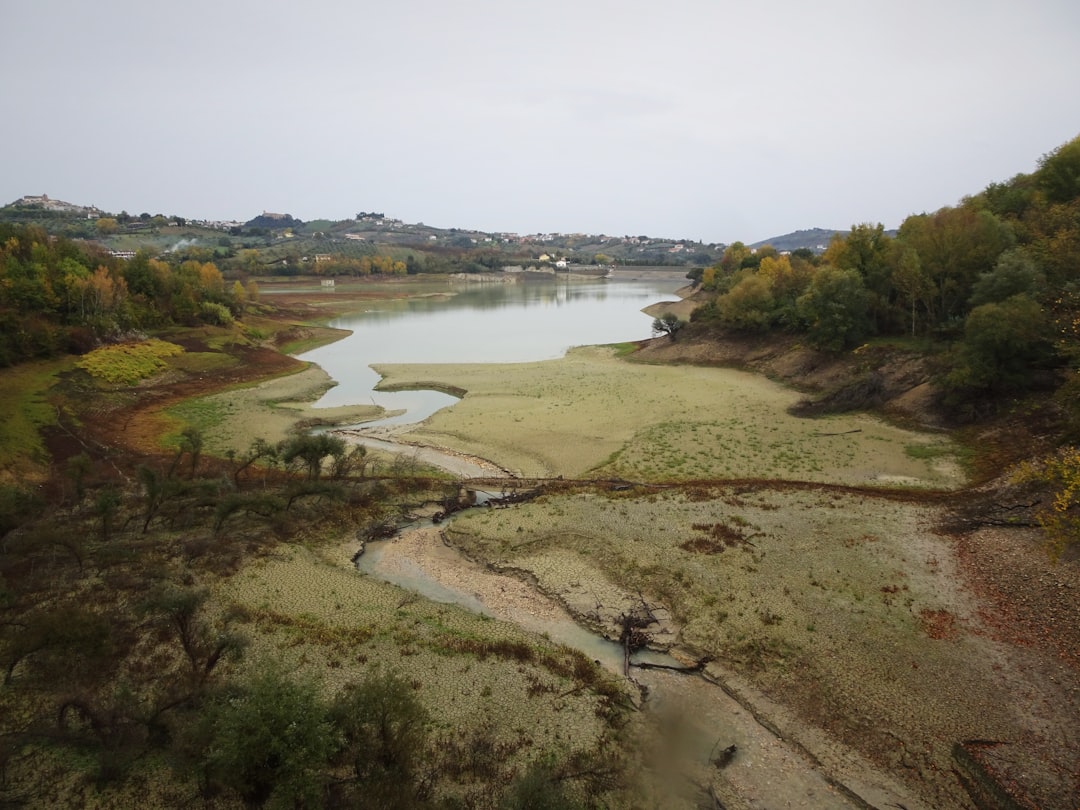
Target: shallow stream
{"x": 699, "y": 717}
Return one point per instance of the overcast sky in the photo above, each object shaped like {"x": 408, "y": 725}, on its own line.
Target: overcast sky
{"x": 698, "y": 119}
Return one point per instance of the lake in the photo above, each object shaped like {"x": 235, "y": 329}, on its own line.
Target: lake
{"x": 483, "y": 323}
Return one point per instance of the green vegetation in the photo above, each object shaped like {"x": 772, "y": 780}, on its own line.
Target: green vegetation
{"x": 24, "y": 411}
{"x": 996, "y": 276}
{"x": 163, "y": 633}
{"x": 127, "y": 363}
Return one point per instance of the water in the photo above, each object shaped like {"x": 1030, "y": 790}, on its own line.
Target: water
{"x": 422, "y": 571}
{"x": 481, "y": 323}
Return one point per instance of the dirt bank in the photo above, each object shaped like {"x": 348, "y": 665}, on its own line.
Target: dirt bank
{"x": 901, "y": 379}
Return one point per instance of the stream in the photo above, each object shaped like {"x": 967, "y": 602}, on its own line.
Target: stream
{"x": 766, "y": 772}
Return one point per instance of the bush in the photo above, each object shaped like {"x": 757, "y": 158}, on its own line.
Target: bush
{"x": 215, "y": 314}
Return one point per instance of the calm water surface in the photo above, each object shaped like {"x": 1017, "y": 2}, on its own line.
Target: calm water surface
{"x": 481, "y": 323}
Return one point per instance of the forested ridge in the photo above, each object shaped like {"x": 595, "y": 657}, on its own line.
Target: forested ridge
{"x": 990, "y": 286}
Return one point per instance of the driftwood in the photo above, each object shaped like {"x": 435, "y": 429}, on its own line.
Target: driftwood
{"x": 690, "y": 670}
{"x": 632, "y": 635}
{"x": 724, "y": 758}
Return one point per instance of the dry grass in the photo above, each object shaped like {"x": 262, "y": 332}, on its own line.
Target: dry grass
{"x": 332, "y": 624}
{"x": 591, "y": 413}
{"x": 844, "y": 607}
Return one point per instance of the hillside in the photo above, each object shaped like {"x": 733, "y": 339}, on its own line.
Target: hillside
{"x": 286, "y": 243}
{"x": 815, "y": 239}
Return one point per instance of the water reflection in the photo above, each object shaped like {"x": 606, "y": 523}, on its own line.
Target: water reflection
{"x": 480, "y": 323}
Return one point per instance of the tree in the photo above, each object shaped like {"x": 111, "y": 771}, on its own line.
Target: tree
{"x": 1060, "y": 518}
{"x": 909, "y": 279}
{"x": 1059, "y": 173}
{"x": 955, "y": 246}
{"x": 78, "y": 468}
{"x": 204, "y": 645}
{"x": 749, "y": 304}
{"x": 667, "y": 324}
{"x": 106, "y": 226}
{"x": 835, "y": 309}
{"x": 1015, "y": 273}
{"x": 867, "y": 250}
{"x": 106, "y": 505}
{"x": 384, "y": 732}
{"x": 311, "y": 450}
{"x": 69, "y": 636}
{"x": 268, "y": 740}
{"x": 1003, "y": 345}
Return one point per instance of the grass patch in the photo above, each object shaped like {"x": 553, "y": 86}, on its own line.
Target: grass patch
{"x": 316, "y": 337}
{"x": 203, "y": 414}
{"x": 623, "y": 349}
{"x": 24, "y": 411}
{"x": 128, "y": 363}
{"x": 199, "y": 362}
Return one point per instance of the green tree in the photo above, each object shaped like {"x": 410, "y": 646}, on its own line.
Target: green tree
{"x": 835, "y": 309}
{"x": 868, "y": 251}
{"x": 384, "y": 733}
{"x": 269, "y": 740}
{"x": 1004, "y": 344}
{"x": 912, "y": 282}
{"x": 1015, "y": 273}
{"x": 667, "y": 324}
{"x": 749, "y": 305}
{"x": 1059, "y": 173}
{"x": 955, "y": 246}
{"x": 206, "y": 644}
{"x": 311, "y": 449}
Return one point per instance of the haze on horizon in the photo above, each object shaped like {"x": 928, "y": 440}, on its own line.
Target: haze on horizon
{"x": 696, "y": 119}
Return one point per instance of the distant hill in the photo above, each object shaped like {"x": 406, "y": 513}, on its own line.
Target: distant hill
{"x": 816, "y": 239}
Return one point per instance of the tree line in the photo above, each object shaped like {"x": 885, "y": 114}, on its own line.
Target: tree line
{"x": 59, "y": 296}
{"x": 991, "y": 284}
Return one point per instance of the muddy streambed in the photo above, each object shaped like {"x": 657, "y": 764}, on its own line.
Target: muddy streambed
{"x": 697, "y": 720}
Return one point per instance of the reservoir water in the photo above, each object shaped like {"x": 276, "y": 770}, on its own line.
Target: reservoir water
{"x": 464, "y": 322}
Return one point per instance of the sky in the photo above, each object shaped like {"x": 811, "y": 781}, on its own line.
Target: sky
{"x": 707, "y": 120}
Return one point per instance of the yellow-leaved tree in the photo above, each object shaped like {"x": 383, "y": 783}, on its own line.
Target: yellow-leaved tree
{"x": 1060, "y": 516}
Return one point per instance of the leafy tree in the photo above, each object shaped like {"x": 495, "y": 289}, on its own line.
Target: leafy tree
{"x": 78, "y": 468}
{"x": 205, "y": 645}
{"x": 868, "y": 251}
{"x": 667, "y": 324}
{"x": 1015, "y": 273}
{"x": 1059, "y": 173}
{"x": 311, "y": 449}
{"x": 106, "y": 505}
{"x": 835, "y": 309}
{"x": 749, "y": 305}
{"x": 539, "y": 788}
{"x": 909, "y": 279}
{"x": 384, "y": 732}
{"x": 955, "y": 246}
{"x": 1060, "y": 518}
{"x": 268, "y": 740}
{"x": 67, "y": 636}
{"x": 1004, "y": 343}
